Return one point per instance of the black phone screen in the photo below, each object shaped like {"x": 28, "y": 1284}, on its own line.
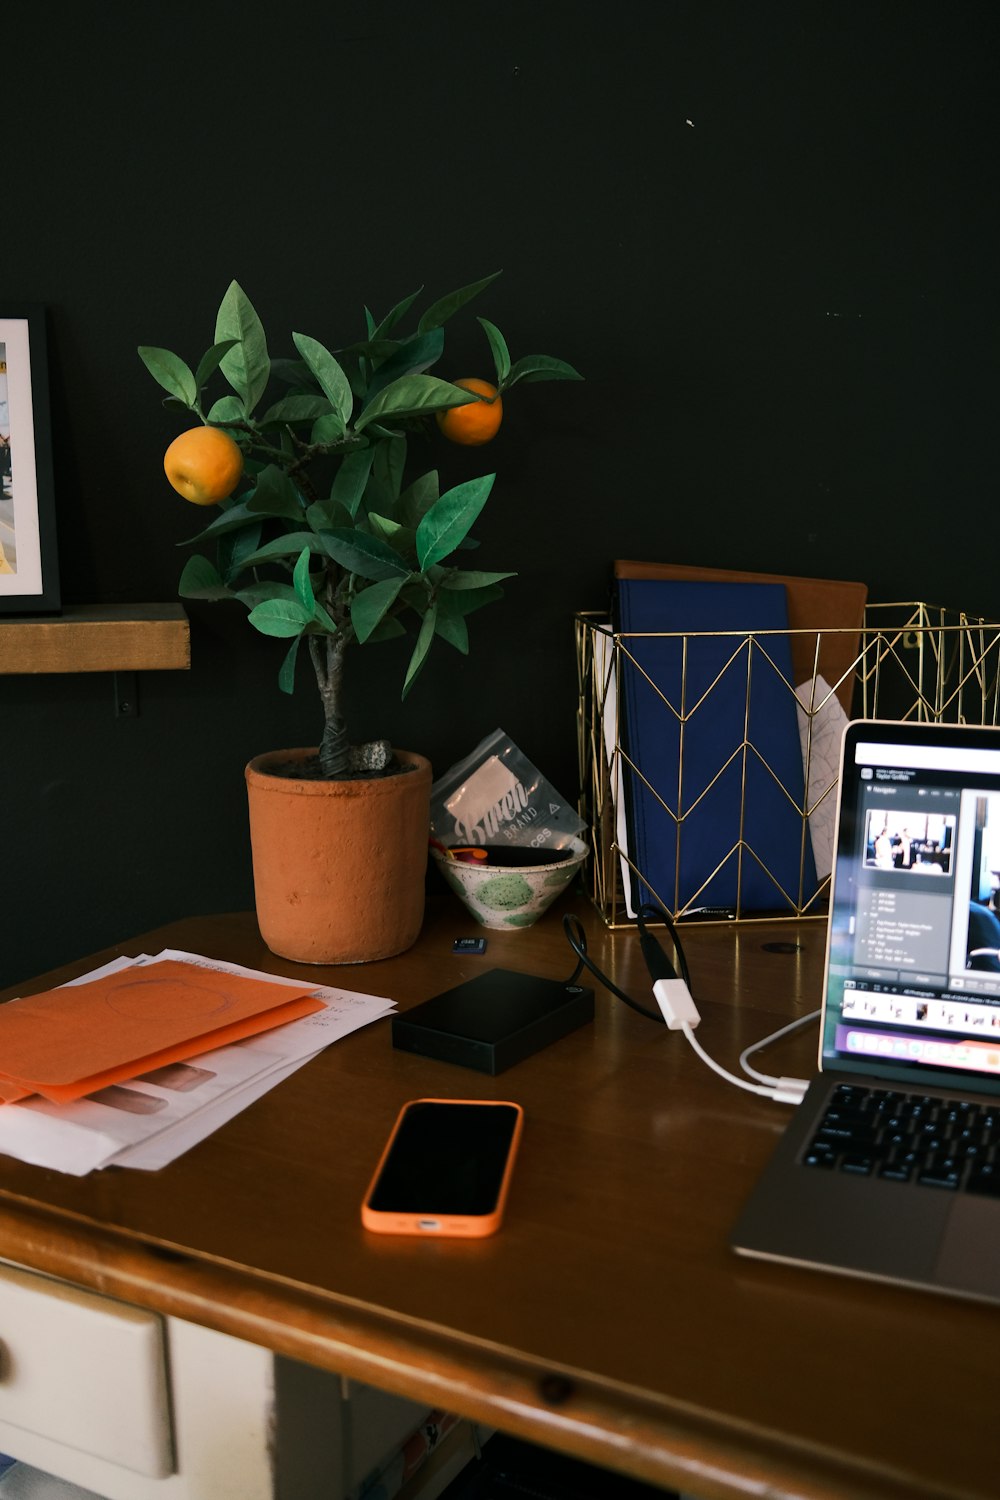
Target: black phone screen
{"x": 446, "y": 1158}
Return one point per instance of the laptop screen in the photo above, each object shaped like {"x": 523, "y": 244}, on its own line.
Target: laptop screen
{"x": 913, "y": 972}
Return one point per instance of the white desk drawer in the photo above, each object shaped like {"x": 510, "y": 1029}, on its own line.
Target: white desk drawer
{"x": 85, "y": 1371}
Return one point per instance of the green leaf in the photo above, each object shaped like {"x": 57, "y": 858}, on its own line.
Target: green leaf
{"x": 390, "y": 320}
{"x": 352, "y": 477}
{"x": 446, "y": 524}
{"x": 328, "y": 431}
{"x": 467, "y": 601}
{"x": 393, "y": 532}
{"x": 326, "y": 515}
{"x": 388, "y": 466}
{"x": 234, "y": 548}
{"x": 255, "y": 593}
{"x": 289, "y": 545}
{"x": 232, "y": 519}
{"x": 416, "y": 595}
{"x": 301, "y": 406}
{"x": 227, "y": 411}
{"x": 413, "y": 396}
{"x": 293, "y": 372}
{"x": 200, "y": 580}
{"x": 418, "y": 498}
{"x": 286, "y": 675}
{"x": 498, "y": 346}
{"x": 453, "y": 629}
{"x": 332, "y": 380}
{"x": 540, "y": 367}
{"x": 389, "y": 630}
{"x": 413, "y": 356}
{"x": 469, "y": 579}
{"x": 246, "y": 366}
{"x": 371, "y": 605}
{"x": 439, "y": 312}
{"x": 170, "y": 371}
{"x": 280, "y": 617}
{"x": 302, "y": 582}
{"x": 365, "y": 555}
{"x": 275, "y": 495}
{"x": 321, "y": 621}
{"x": 210, "y": 361}
{"x": 420, "y": 650}
{"x": 269, "y": 588}
{"x": 373, "y": 350}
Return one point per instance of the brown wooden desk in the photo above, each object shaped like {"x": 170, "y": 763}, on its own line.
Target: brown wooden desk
{"x": 608, "y": 1318}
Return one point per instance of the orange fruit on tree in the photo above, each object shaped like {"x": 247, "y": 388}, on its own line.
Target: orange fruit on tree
{"x": 204, "y": 465}
{"x": 478, "y": 421}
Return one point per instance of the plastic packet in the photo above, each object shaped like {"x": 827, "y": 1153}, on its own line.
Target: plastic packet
{"x": 496, "y": 796}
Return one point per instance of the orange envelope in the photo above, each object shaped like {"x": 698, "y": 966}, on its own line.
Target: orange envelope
{"x": 66, "y": 1043}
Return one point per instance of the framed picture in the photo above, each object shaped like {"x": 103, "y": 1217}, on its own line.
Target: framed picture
{"x": 29, "y": 574}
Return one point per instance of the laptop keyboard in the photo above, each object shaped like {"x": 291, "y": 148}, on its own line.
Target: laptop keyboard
{"x": 942, "y": 1143}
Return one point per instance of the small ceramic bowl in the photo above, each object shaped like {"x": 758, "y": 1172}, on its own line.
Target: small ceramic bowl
{"x": 510, "y": 895}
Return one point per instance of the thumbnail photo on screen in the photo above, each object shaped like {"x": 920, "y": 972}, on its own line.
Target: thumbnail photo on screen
{"x": 922, "y": 843}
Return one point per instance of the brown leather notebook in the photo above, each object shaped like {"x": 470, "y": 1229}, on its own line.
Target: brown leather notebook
{"x": 825, "y": 605}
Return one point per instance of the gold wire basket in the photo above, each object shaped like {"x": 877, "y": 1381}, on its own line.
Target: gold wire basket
{"x": 908, "y": 661}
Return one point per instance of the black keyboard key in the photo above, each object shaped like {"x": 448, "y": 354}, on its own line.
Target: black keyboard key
{"x": 817, "y": 1157}
{"x": 939, "y": 1178}
{"x": 838, "y": 1134}
{"x": 948, "y": 1144}
{"x": 984, "y": 1177}
{"x": 838, "y": 1114}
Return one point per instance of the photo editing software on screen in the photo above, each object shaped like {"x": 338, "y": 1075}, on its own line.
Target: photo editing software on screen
{"x": 915, "y": 929}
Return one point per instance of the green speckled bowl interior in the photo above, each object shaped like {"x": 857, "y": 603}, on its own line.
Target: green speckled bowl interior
{"x": 510, "y": 895}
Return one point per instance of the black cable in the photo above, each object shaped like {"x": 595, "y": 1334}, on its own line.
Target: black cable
{"x": 657, "y": 962}
{"x": 577, "y": 939}
{"x": 784, "y": 1090}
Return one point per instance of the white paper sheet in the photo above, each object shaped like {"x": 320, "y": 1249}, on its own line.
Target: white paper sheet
{"x": 821, "y": 762}
{"x": 606, "y": 681}
{"x": 150, "y": 1121}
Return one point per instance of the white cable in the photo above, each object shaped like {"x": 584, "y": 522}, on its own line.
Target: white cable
{"x": 741, "y": 1083}
{"x": 681, "y": 1014}
{"x": 766, "y": 1042}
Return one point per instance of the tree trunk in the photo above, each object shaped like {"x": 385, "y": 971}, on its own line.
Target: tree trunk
{"x": 328, "y": 660}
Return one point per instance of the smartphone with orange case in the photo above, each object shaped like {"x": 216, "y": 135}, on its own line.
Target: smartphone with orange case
{"x": 446, "y": 1169}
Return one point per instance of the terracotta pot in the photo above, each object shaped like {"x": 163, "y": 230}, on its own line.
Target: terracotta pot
{"x": 338, "y": 866}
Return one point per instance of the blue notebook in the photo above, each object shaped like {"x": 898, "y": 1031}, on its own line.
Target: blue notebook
{"x": 715, "y": 803}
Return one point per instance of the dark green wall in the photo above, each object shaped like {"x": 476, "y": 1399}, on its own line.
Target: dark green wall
{"x": 766, "y": 233}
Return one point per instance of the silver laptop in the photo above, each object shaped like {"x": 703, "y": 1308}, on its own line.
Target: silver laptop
{"x": 890, "y": 1167}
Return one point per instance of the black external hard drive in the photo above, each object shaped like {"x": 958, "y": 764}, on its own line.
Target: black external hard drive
{"x": 493, "y": 1021}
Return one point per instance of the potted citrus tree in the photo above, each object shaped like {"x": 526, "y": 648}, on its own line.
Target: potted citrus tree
{"x": 323, "y": 533}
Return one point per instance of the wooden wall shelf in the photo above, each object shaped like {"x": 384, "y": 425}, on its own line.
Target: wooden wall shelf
{"x": 98, "y": 638}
